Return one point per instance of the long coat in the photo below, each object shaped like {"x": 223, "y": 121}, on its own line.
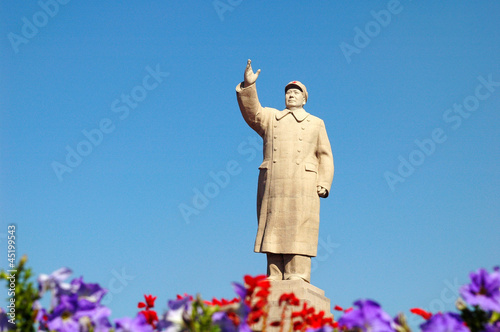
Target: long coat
{"x": 297, "y": 158}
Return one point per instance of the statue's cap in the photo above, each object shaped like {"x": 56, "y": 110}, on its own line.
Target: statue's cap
{"x": 297, "y": 85}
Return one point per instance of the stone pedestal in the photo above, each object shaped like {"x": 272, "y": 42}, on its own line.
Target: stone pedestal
{"x": 305, "y": 292}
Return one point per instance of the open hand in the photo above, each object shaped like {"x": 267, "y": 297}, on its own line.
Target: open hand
{"x": 250, "y": 77}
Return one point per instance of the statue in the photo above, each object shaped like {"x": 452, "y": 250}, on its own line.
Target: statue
{"x": 296, "y": 171}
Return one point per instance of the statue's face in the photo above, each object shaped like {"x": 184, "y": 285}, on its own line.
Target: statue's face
{"x": 294, "y": 98}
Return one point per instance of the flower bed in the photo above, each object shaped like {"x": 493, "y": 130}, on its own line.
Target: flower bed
{"x": 76, "y": 307}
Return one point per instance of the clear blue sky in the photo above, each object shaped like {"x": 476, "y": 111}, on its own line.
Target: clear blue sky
{"x": 418, "y": 70}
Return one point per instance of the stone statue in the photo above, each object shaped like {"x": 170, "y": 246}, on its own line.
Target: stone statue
{"x": 296, "y": 171}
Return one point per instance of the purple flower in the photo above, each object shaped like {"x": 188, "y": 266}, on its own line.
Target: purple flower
{"x": 41, "y": 316}
{"x": 244, "y": 309}
{"x": 484, "y": 290}
{"x": 68, "y": 304}
{"x": 63, "y": 318}
{"x": 240, "y": 290}
{"x": 447, "y": 322}
{"x": 91, "y": 292}
{"x": 137, "y": 324}
{"x": 165, "y": 325}
{"x": 4, "y": 322}
{"x": 184, "y": 303}
{"x": 368, "y": 317}
{"x": 54, "y": 283}
{"x": 100, "y": 319}
{"x": 73, "y": 312}
{"x": 50, "y": 282}
{"x": 179, "y": 312}
{"x": 494, "y": 327}
{"x": 226, "y": 325}
{"x": 63, "y": 324}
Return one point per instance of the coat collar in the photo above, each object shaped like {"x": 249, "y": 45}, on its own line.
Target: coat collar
{"x": 299, "y": 115}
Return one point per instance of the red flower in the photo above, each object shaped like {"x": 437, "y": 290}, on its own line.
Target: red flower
{"x": 254, "y": 316}
{"x": 252, "y": 281}
{"x": 285, "y": 297}
{"x": 221, "y": 302}
{"x": 234, "y": 318}
{"x": 264, "y": 284}
{"x": 424, "y": 314}
{"x": 260, "y": 304}
{"x": 308, "y": 318}
{"x": 151, "y": 317}
{"x": 180, "y": 297}
{"x": 150, "y": 300}
{"x": 257, "y": 291}
{"x": 297, "y": 326}
{"x": 289, "y": 298}
{"x": 263, "y": 293}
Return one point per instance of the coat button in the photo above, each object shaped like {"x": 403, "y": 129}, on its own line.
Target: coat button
{"x": 274, "y": 161}
{"x": 275, "y": 126}
{"x": 275, "y": 136}
{"x": 275, "y": 149}
{"x": 297, "y": 162}
{"x": 300, "y": 138}
{"x": 298, "y": 150}
{"x": 303, "y": 128}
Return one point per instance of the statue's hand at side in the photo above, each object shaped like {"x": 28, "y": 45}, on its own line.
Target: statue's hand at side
{"x": 250, "y": 77}
{"x": 322, "y": 192}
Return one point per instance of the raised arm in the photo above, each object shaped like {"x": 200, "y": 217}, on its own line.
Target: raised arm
{"x": 250, "y": 107}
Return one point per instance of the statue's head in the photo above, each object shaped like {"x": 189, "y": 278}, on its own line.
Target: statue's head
{"x": 295, "y": 95}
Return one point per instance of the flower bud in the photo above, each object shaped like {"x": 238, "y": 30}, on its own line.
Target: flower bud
{"x": 23, "y": 260}
{"x": 460, "y": 304}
